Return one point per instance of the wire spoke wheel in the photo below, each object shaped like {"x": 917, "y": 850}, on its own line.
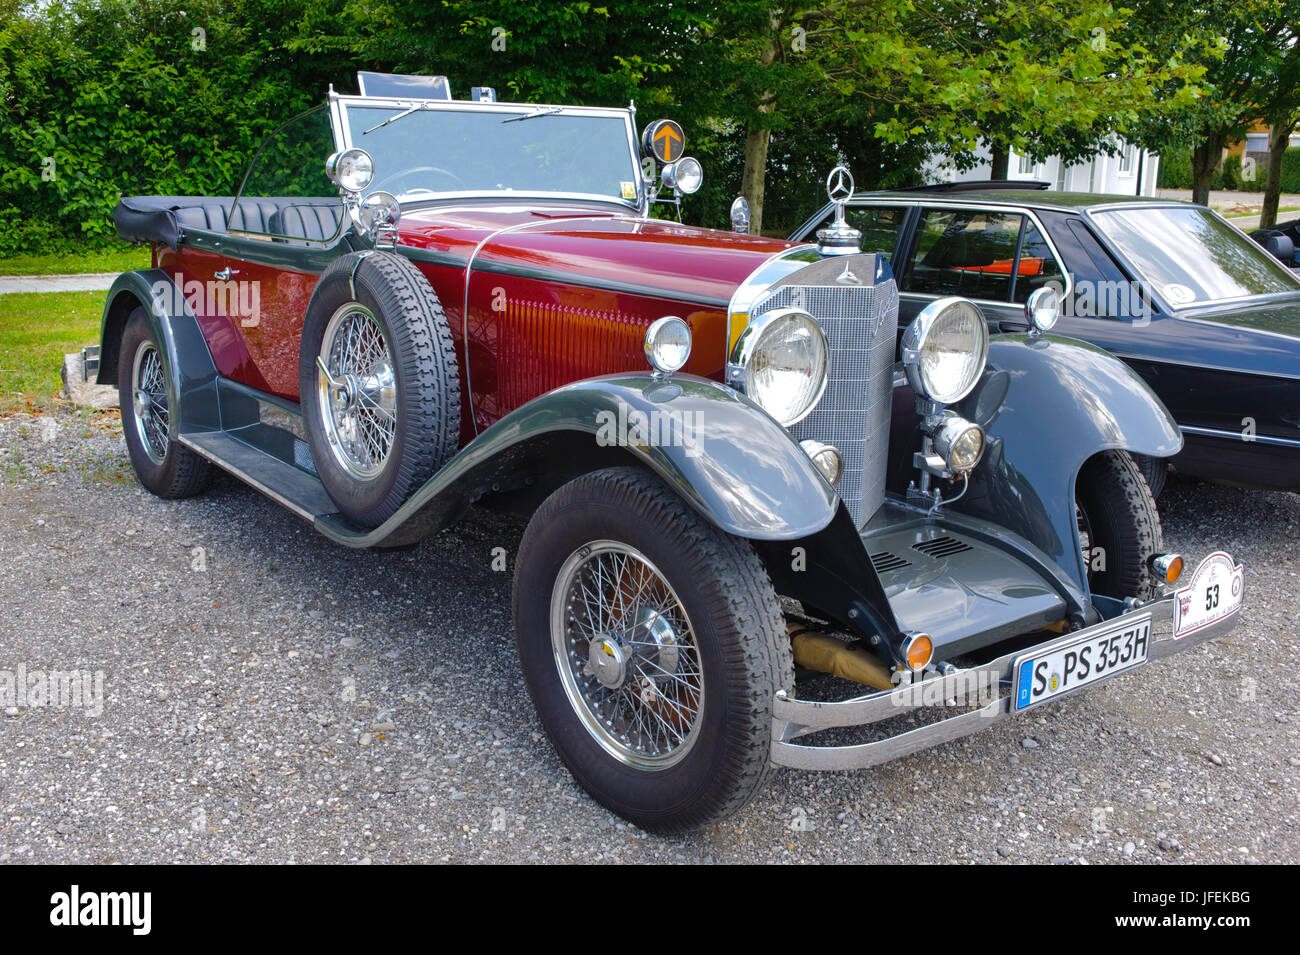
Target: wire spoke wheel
{"x": 149, "y": 402}
{"x": 358, "y": 399}
{"x": 627, "y": 655}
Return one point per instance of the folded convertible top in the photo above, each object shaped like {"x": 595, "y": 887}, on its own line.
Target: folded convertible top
{"x": 161, "y": 218}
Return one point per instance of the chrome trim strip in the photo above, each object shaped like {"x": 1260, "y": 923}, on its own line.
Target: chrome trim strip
{"x": 1236, "y": 437}
{"x": 792, "y": 718}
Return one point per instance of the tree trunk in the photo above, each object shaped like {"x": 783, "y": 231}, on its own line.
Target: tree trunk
{"x": 1205, "y": 160}
{"x": 999, "y": 161}
{"x": 754, "y": 181}
{"x": 1277, "y": 145}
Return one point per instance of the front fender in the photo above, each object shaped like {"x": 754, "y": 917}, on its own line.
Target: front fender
{"x": 1047, "y": 404}
{"x": 717, "y": 449}
{"x": 187, "y": 362}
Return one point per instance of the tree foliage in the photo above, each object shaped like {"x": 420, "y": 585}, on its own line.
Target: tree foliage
{"x": 106, "y": 97}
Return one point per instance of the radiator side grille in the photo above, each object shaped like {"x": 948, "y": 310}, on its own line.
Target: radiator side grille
{"x": 860, "y": 324}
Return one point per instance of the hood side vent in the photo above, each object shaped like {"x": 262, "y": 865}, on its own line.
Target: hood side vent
{"x": 940, "y": 547}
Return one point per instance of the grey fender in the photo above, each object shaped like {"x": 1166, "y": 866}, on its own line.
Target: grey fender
{"x": 722, "y": 453}
{"x": 1048, "y": 404}
{"x": 191, "y": 372}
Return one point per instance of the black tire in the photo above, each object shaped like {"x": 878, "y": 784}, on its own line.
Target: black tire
{"x": 1118, "y": 515}
{"x": 162, "y": 464}
{"x": 1155, "y": 470}
{"x": 743, "y": 651}
{"x": 425, "y": 372}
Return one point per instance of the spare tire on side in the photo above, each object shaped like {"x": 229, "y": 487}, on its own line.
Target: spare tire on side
{"x": 378, "y": 382}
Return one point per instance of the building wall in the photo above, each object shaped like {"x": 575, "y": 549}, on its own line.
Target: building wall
{"x": 1112, "y": 175}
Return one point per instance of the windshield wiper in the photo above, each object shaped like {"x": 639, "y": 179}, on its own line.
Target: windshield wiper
{"x": 534, "y": 114}
{"x": 395, "y": 118}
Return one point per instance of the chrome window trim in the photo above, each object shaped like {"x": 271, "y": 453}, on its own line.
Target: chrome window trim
{"x": 343, "y": 140}
{"x": 1135, "y": 274}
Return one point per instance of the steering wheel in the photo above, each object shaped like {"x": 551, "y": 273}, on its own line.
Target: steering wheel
{"x": 391, "y": 184}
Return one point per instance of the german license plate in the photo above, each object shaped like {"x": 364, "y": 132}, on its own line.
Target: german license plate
{"x": 1046, "y": 674}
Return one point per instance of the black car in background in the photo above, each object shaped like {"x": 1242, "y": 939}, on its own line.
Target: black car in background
{"x": 1202, "y": 313}
{"x": 1281, "y": 241}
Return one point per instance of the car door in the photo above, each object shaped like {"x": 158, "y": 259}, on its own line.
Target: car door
{"x": 994, "y": 257}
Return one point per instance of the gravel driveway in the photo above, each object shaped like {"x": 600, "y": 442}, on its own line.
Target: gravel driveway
{"x": 271, "y": 697}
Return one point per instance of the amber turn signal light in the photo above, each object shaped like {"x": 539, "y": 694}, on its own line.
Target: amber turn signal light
{"x": 1166, "y": 568}
{"x": 917, "y": 649}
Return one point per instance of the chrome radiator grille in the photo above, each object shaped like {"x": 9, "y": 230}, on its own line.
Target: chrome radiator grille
{"x": 860, "y": 323}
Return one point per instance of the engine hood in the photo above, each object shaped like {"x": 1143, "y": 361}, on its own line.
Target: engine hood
{"x": 587, "y": 246}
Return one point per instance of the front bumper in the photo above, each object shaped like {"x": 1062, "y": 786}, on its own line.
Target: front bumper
{"x": 793, "y": 718}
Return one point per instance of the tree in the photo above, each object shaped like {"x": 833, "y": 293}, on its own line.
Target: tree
{"x": 1043, "y": 77}
{"x": 1247, "y": 49}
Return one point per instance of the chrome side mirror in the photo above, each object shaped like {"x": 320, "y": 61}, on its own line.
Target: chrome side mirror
{"x": 740, "y": 215}
{"x": 1043, "y": 308}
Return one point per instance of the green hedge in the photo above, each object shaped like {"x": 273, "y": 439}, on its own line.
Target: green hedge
{"x": 1175, "y": 170}
{"x": 103, "y": 98}
{"x": 1291, "y": 170}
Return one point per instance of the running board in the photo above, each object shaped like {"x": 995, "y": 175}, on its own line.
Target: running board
{"x": 293, "y": 487}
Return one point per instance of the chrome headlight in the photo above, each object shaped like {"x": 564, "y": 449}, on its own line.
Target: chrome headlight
{"x": 350, "y": 169}
{"x": 944, "y": 350}
{"x": 826, "y": 458}
{"x": 686, "y": 175}
{"x": 667, "y": 344}
{"x": 959, "y": 443}
{"x": 782, "y": 363}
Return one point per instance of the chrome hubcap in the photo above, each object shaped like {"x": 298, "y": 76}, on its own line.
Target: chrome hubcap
{"x": 149, "y": 402}
{"x": 626, "y": 655}
{"x": 357, "y": 391}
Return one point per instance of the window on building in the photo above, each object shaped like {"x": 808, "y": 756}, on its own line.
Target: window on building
{"x": 1126, "y": 161}
{"x": 1027, "y": 166}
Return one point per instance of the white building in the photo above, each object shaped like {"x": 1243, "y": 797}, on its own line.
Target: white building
{"x": 1116, "y": 175}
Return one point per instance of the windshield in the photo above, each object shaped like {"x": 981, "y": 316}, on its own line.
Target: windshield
{"x": 1191, "y": 257}
{"x": 432, "y": 149}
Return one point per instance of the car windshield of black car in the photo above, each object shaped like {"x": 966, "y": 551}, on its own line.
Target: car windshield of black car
{"x": 1190, "y": 256}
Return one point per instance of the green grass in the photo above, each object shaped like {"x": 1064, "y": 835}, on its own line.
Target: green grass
{"x": 118, "y": 258}
{"x": 36, "y": 331}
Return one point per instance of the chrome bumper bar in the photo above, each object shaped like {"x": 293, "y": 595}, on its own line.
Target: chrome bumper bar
{"x": 792, "y": 718}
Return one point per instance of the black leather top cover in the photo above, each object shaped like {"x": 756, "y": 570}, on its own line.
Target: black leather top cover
{"x": 164, "y": 218}
{"x": 161, "y": 218}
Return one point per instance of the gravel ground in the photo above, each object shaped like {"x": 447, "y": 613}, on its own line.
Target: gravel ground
{"x": 270, "y": 697}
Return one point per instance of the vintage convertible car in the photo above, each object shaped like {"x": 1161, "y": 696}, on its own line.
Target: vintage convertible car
{"x": 1281, "y": 241}
{"x": 416, "y": 303}
{"x": 1207, "y": 319}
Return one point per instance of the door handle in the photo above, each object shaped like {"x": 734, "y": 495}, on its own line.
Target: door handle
{"x": 225, "y": 273}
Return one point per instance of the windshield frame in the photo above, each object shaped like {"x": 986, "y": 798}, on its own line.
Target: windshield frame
{"x": 339, "y": 103}
{"x": 1155, "y": 292}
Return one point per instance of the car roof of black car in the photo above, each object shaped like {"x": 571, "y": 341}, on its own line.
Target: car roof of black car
{"x": 1032, "y": 198}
